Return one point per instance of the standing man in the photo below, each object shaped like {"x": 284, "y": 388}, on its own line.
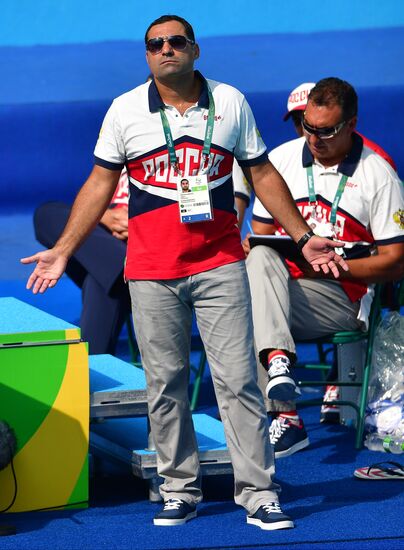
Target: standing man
{"x": 185, "y": 255}
{"x": 343, "y": 189}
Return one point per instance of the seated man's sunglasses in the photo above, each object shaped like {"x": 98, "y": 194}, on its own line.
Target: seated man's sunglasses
{"x": 322, "y": 133}
{"x": 177, "y": 42}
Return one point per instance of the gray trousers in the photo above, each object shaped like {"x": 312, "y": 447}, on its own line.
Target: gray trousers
{"x": 162, "y": 315}
{"x": 286, "y": 309}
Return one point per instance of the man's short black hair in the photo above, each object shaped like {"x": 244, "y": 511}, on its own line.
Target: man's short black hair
{"x": 334, "y": 91}
{"x": 189, "y": 31}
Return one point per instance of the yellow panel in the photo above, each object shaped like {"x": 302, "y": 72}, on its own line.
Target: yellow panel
{"x": 49, "y": 465}
{"x": 73, "y": 334}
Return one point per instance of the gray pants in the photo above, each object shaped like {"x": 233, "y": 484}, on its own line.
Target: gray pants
{"x": 162, "y": 314}
{"x": 285, "y": 310}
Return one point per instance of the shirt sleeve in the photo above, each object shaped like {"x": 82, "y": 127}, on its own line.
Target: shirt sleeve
{"x": 242, "y": 188}
{"x": 110, "y": 151}
{"x": 260, "y": 213}
{"x": 250, "y": 149}
{"x": 387, "y": 212}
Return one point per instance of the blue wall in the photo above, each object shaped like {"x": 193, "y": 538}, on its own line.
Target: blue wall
{"x": 63, "y": 61}
{"x": 30, "y": 22}
{"x": 253, "y": 63}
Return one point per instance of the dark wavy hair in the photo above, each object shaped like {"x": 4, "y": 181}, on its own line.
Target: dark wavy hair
{"x": 334, "y": 91}
{"x": 189, "y": 31}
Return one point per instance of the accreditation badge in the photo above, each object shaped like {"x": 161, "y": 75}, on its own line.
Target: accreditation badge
{"x": 194, "y": 199}
{"x": 321, "y": 228}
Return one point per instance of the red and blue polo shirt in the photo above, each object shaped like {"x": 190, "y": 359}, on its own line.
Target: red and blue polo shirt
{"x": 159, "y": 245}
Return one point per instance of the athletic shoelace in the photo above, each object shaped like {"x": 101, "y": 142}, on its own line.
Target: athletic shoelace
{"x": 272, "y": 507}
{"x": 276, "y": 429}
{"x": 172, "y": 504}
{"x": 278, "y": 365}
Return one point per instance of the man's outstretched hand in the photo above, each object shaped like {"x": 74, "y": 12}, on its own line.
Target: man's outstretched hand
{"x": 50, "y": 267}
{"x": 321, "y": 255}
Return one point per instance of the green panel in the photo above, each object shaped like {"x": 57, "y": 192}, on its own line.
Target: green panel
{"x": 80, "y": 492}
{"x": 27, "y": 337}
{"x": 30, "y": 379}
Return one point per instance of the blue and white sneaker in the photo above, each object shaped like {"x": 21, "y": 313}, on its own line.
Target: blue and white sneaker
{"x": 287, "y": 437}
{"x": 281, "y": 385}
{"x": 175, "y": 512}
{"x": 270, "y": 517}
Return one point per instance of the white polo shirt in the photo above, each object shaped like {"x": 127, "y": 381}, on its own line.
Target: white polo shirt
{"x": 159, "y": 245}
{"x": 369, "y": 211}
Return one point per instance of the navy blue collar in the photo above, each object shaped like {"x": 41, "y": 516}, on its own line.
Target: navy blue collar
{"x": 155, "y": 101}
{"x": 350, "y": 162}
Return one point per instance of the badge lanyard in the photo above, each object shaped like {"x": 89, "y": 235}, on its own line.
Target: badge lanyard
{"x": 206, "y": 144}
{"x": 337, "y": 198}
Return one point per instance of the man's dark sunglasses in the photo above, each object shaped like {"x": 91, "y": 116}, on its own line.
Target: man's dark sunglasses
{"x": 177, "y": 42}
{"x": 322, "y": 133}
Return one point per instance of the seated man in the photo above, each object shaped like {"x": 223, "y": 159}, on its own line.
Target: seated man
{"x": 296, "y": 106}
{"x": 345, "y": 190}
{"x": 96, "y": 267}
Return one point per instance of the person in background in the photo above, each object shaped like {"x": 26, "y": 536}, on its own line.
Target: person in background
{"x": 296, "y": 105}
{"x": 345, "y": 191}
{"x": 96, "y": 267}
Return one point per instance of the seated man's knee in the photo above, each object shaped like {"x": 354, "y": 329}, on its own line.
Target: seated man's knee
{"x": 262, "y": 255}
{"x": 49, "y": 221}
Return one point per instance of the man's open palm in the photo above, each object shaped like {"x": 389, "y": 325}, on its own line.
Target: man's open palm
{"x": 50, "y": 267}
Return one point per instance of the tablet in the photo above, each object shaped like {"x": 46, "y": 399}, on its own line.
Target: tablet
{"x": 283, "y": 244}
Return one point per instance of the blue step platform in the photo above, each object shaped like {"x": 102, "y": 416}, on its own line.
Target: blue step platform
{"x": 119, "y": 431}
{"x": 117, "y": 388}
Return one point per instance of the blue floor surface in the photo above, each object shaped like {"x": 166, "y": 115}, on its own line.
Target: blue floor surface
{"x": 329, "y": 506}
{"x": 332, "y": 510}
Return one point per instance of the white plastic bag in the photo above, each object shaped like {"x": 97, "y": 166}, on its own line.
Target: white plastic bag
{"x": 384, "y": 417}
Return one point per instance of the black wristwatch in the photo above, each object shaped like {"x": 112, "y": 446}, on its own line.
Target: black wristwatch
{"x": 303, "y": 240}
